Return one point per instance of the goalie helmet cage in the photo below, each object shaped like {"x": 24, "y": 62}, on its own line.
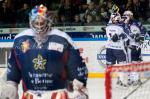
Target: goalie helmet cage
{"x": 139, "y": 91}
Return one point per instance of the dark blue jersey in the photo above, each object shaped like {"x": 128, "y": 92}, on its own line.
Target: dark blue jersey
{"x": 48, "y": 66}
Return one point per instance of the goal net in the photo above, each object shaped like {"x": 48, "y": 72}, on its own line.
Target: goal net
{"x": 128, "y": 91}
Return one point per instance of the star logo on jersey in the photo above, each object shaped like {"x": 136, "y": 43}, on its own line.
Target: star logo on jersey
{"x": 39, "y": 63}
{"x": 25, "y": 46}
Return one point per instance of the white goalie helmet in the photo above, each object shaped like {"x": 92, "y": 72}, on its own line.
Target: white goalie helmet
{"x": 39, "y": 21}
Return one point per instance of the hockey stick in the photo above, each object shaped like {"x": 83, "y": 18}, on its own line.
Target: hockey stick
{"x": 126, "y": 97}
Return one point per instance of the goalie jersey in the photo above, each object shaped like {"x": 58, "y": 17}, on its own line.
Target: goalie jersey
{"x": 48, "y": 67}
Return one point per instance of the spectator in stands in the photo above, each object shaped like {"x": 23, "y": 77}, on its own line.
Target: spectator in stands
{"x": 55, "y": 19}
{"x": 148, "y": 14}
{"x": 82, "y": 10}
{"x": 129, "y": 5}
{"x": 108, "y": 6}
{"x": 104, "y": 14}
{"x": 7, "y": 15}
{"x": 144, "y": 9}
{"x": 23, "y": 13}
{"x": 89, "y": 20}
{"x": 77, "y": 20}
{"x": 68, "y": 10}
{"x": 91, "y": 11}
{"x": 138, "y": 9}
{"x": 63, "y": 21}
{"x": 98, "y": 18}
{"x": 65, "y": 10}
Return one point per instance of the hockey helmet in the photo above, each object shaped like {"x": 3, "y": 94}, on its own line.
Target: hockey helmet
{"x": 128, "y": 13}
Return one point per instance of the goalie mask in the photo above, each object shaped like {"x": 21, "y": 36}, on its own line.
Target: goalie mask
{"x": 39, "y": 21}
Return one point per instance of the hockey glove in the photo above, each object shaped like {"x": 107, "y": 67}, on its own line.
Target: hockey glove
{"x": 115, "y": 38}
{"x": 139, "y": 38}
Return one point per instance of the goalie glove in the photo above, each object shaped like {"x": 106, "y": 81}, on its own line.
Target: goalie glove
{"x": 79, "y": 90}
{"x": 8, "y": 90}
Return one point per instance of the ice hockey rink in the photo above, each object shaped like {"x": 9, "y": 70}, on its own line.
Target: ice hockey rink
{"x": 96, "y": 88}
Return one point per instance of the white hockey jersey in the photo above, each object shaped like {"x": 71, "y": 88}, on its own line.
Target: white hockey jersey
{"x": 120, "y": 31}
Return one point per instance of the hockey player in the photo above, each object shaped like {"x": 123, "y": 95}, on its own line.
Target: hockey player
{"x": 115, "y": 47}
{"x": 116, "y": 35}
{"x": 137, "y": 34}
{"x": 47, "y": 62}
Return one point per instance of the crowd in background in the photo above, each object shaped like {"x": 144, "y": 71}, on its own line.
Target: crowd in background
{"x": 72, "y": 12}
